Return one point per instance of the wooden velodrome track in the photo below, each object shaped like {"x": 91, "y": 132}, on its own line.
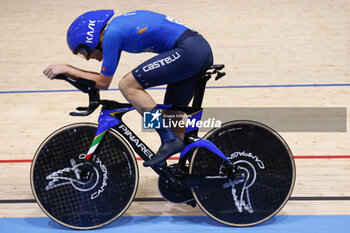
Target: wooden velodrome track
{"x": 273, "y": 42}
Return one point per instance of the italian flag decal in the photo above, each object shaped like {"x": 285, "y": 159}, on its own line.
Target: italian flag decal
{"x": 94, "y": 144}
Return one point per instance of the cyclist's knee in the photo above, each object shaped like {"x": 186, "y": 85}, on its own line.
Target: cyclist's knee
{"x": 122, "y": 84}
{"x": 128, "y": 83}
{"x": 129, "y": 86}
{"x": 125, "y": 83}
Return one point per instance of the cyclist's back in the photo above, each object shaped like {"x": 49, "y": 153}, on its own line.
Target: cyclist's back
{"x": 145, "y": 31}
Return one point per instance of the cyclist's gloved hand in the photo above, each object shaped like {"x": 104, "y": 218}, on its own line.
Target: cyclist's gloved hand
{"x": 86, "y": 170}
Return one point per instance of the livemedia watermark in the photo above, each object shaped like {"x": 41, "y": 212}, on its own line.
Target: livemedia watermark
{"x": 280, "y": 119}
{"x": 156, "y": 120}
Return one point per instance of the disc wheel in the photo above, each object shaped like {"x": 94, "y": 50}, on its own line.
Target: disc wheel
{"x": 265, "y": 160}
{"x": 64, "y": 196}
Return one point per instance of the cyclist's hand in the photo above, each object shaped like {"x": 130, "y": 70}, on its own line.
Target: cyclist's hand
{"x": 52, "y": 70}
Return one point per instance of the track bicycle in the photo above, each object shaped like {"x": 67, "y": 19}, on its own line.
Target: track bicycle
{"x": 240, "y": 174}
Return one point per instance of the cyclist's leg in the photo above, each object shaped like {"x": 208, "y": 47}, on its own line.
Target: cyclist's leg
{"x": 153, "y": 72}
{"x": 181, "y": 93}
{"x": 142, "y": 101}
{"x": 134, "y": 84}
{"x": 181, "y": 63}
{"x": 136, "y": 94}
{"x": 186, "y": 88}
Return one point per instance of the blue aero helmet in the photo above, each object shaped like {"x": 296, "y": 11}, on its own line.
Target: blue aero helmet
{"x": 83, "y": 34}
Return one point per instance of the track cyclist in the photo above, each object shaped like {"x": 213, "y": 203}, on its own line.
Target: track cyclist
{"x": 181, "y": 54}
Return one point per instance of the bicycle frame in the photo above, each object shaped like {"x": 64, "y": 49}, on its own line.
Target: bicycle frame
{"x": 111, "y": 117}
{"x": 112, "y": 112}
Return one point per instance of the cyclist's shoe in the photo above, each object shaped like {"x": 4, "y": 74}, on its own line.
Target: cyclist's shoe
{"x": 166, "y": 150}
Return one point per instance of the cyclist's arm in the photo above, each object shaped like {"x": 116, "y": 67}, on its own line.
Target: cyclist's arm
{"x": 111, "y": 51}
{"x": 102, "y": 81}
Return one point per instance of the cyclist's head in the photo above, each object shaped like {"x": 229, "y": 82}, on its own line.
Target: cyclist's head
{"x": 83, "y": 34}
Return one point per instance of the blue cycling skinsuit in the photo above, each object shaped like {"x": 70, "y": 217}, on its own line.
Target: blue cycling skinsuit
{"x": 182, "y": 52}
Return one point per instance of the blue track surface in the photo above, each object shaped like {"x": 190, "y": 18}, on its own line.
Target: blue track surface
{"x": 195, "y": 224}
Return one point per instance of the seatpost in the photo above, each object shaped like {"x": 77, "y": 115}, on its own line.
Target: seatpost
{"x": 200, "y": 88}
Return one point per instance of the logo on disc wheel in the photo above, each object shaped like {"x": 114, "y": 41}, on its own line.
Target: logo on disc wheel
{"x": 72, "y": 176}
{"x": 240, "y": 187}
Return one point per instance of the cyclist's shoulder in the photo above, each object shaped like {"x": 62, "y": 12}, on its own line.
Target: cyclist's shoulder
{"x": 142, "y": 13}
{"x": 128, "y": 18}
{"x": 115, "y": 29}
{"x": 126, "y": 23}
